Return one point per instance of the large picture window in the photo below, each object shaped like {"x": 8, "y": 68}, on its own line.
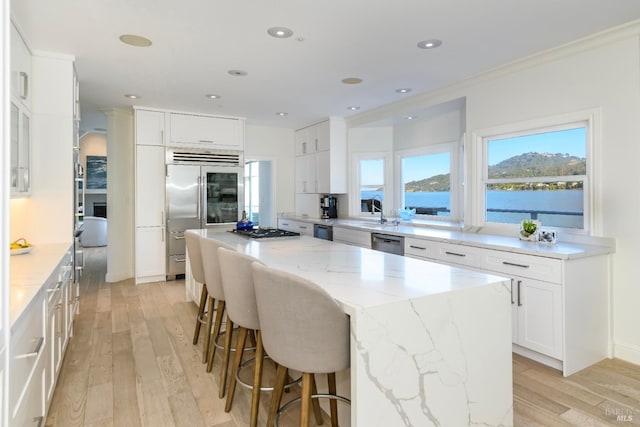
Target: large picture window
{"x": 539, "y": 174}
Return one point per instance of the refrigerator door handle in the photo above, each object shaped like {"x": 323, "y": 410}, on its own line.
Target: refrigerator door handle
{"x": 198, "y": 206}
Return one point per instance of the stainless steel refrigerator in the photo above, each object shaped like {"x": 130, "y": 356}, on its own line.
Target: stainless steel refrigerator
{"x": 203, "y": 190}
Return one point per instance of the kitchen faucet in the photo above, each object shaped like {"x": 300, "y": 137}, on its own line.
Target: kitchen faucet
{"x": 374, "y": 207}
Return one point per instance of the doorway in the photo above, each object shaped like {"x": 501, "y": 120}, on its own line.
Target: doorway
{"x": 259, "y": 192}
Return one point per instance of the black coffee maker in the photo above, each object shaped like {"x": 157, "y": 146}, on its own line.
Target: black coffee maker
{"x": 329, "y": 207}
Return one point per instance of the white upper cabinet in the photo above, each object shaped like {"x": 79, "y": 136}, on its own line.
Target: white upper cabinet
{"x": 324, "y": 149}
{"x": 207, "y": 132}
{"x": 150, "y": 127}
{"x": 20, "y": 69}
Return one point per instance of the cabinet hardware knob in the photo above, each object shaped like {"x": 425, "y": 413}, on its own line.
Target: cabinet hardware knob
{"x": 35, "y": 351}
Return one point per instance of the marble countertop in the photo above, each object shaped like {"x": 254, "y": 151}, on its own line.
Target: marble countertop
{"x": 29, "y": 272}
{"x": 356, "y": 277}
{"x": 561, "y": 250}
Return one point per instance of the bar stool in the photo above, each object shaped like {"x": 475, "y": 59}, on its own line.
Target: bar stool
{"x": 192, "y": 240}
{"x": 303, "y": 328}
{"x": 209, "y": 248}
{"x": 237, "y": 281}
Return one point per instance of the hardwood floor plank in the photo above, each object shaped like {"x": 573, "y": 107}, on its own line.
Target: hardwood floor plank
{"x": 154, "y": 404}
{"x": 125, "y": 399}
{"x": 99, "y": 408}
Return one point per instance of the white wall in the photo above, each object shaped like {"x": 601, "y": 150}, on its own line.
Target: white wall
{"x": 275, "y": 144}
{"x": 602, "y": 73}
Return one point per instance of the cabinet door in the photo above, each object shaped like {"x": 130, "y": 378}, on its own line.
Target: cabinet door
{"x": 323, "y": 172}
{"x": 150, "y": 254}
{"x": 206, "y": 132}
{"x": 54, "y": 344}
{"x": 20, "y": 150}
{"x": 539, "y": 316}
{"x": 352, "y": 237}
{"x": 20, "y": 69}
{"x": 149, "y": 127}
{"x": 301, "y": 142}
{"x": 323, "y": 136}
{"x": 306, "y": 174}
{"x": 150, "y": 186}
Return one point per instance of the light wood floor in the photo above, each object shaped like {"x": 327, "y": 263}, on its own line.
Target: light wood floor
{"x": 131, "y": 363}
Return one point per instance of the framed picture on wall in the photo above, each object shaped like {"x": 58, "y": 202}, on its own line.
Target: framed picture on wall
{"x": 96, "y": 173}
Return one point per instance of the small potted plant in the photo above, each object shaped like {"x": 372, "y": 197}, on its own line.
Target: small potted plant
{"x": 529, "y": 230}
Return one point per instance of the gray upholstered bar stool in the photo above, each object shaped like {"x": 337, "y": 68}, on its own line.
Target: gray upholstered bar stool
{"x": 209, "y": 248}
{"x": 192, "y": 241}
{"x": 303, "y": 328}
{"x": 237, "y": 281}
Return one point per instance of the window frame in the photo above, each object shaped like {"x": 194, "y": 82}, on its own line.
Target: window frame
{"x": 590, "y": 120}
{"x": 455, "y": 181}
{"x": 356, "y": 158}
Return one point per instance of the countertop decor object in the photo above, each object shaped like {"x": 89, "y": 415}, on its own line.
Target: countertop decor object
{"x": 529, "y": 230}
{"x": 407, "y": 214}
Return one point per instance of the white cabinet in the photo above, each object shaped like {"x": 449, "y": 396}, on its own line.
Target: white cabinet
{"x": 418, "y": 248}
{"x": 20, "y": 149}
{"x": 206, "y": 131}
{"x": 3, "y": 353}
{"x": 150, "y": 186}
{"x": 150, "y": 246}
{"x": 20, "y": 69}
{"x": 307, "y": 174}
{"x": 352, "y": 237}
{"x": 459, "y": 254}
{"x": 150, "y": 258}
{"x": 301, "y": 227}
{"x": 537, "y": 316}
{"x": 321, "y": 158}
{"x": 150, "y": 127}
{"x": 27, "y": 355}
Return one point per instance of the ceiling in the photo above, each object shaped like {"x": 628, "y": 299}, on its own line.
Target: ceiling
{"x": 196, "y": 43}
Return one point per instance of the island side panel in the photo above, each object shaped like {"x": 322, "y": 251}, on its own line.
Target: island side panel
{"x": 440, "y": 360}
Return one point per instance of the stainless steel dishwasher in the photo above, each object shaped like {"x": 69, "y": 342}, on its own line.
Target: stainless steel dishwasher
{"x": 387, "y": 243}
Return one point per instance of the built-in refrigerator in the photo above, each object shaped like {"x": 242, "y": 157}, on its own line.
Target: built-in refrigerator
{"x": 204, "y": 189}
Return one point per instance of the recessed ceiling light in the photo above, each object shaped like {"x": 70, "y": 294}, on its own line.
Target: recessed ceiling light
{"x": 353, "y": 108}
{"x": 429, "y": 44}
{"x": 281, "y": 113}
{"x": 133, "y": 40}
{"x": 131, "y": 96}
{"x": 403, "y": 90}
{"x": 409, "y": 117}
{"x": 212, "y": 96}
{"x": 352, "y": 80}
{"x": 280, "y": 32}
{"x": 237, "y": 72}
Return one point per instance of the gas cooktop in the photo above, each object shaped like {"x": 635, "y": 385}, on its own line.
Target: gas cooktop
{"x": 261, "y": 233}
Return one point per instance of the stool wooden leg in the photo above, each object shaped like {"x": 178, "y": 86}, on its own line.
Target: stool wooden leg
{"x": 207, "y": 329}
{"x": 333, "y": 404}
{"x": 257, "y": 380}
{"x": 282, "y": 373}
{"x": 305, "y": 409}
{"x": 225, "y": 359}
{"x": 314, "y": 402}
{"x": 237, "y": 360}
{"x": 214, "y": 335}
{"x": 201, "y": 307}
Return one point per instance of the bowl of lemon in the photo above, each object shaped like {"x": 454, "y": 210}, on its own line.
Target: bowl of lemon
{"x": 21, "y": 246}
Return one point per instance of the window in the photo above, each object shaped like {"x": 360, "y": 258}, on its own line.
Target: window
{"x": 539, "y": 174}
{"x": 371, "y": 181}
{"x": 252, "y": 191}
{"x": 427, "y": 177}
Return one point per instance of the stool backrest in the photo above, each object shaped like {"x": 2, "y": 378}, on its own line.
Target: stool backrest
{"x": 303, "y": 327}
{"x": 192, "y": 240}
{"x": 237, "y": 281}
{"x": 209, "y": 248}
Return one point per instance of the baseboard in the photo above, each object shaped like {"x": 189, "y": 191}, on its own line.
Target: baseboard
{"x": 627, "y": 352}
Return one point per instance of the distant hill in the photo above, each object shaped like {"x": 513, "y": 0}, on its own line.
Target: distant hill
{"x": 523, "y": 165}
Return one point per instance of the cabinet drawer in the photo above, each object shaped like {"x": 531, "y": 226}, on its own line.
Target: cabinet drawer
{"x": 27, "y": 346}
{"x": 203, "y": 131}
{"x": 530, "y": 266}
{"x": 417, "y": 248}
{"x": 31, "y": 409}
{"x": 459, "y": 254}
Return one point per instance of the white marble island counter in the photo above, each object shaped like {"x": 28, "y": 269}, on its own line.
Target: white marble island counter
{"x": 431, "y": 344}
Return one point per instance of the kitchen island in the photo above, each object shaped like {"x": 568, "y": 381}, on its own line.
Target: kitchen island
{"x": 430, "y": 344}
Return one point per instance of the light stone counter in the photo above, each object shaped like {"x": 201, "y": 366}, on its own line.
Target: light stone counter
{"x": 431, "y": 344}
{"x": 454, "y": 235}
{"x": 29, "y": 272}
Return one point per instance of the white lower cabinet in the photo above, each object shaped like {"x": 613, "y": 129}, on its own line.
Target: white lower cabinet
{"x": 537, "y": 316}
{"x": 304, "y": 228}
{"x": 150, "y": 254}
{"x": 352, "y": 237}
{"x": 32, "y": 409}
